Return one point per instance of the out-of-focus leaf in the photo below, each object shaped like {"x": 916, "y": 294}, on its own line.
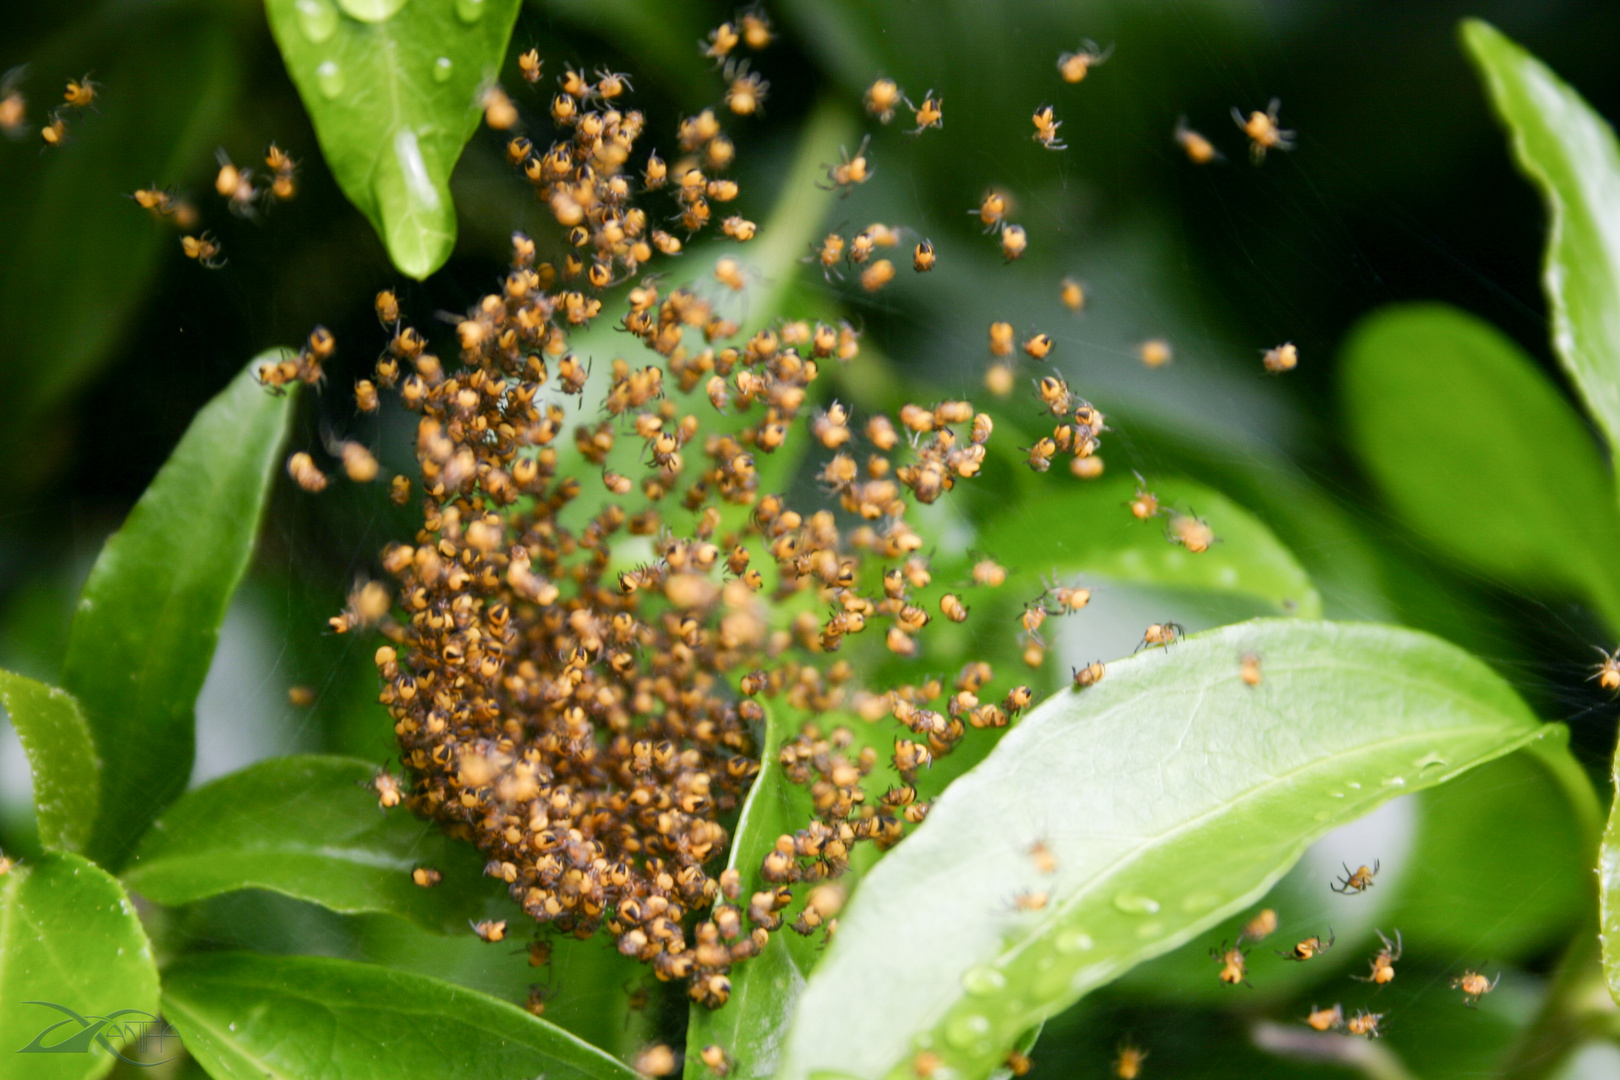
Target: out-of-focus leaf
{"x": 1478, "y": 453}
{"x": 1569, "y": 153}
{"x": 395, "y": 91}
{"x": 308, "y": 827}
{"x": 149, "y": 616}
{"x": 70, "y": 946}
{"x": 1536, "y": 813}
{"x": 305, "y": 1017}
{"x": 1088, "y": 527}
{"x": 1132, "y": 784}
{"x": 67, "y": 774}
{"x": 751, "y": 1026}
{"x": 662, "y": 37}
{"x": 76, "y": 255}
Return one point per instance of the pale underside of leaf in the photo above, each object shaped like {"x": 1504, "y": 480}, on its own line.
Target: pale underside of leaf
{"x": 1171, "y": 794}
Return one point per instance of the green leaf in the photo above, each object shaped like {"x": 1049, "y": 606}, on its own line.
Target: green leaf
{"x": 298, "y": 1017}
{"x": 1569, "y": 153}
{"x": 1478, "y": 452}
{"x": 170, "y": 75}
{"x": 308, "y": 827}
{"x": 69, "y": 937}
{"x": 1609, "y": 888}
{"x": 1172, "y": 796}
{"x": 1044, "y": 534}
{"x": 588, "y": 983}
{"x": 764, "y": 990}
{"x": 149, "y": 616}
{"x": 394, "y": 91}
{"x": 65, "y": 768}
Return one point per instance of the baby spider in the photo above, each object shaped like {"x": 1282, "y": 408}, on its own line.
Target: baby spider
{"x": 1199, "y": 150}
{"x": 1046, "y": 129}
{"x": 1474, "y": 986}
{"x": 1365, "y": 1023}
{"x": 1234, "y": 964}
{"x": 1263, "y": 132}
{"x": 1073, "y": 66}
{"x": 1260, "y": 927}
{"x": 1310, "y": 947}
{"x": 930, "y": 114}
{"x": 1383, "y": 965}
{"x": 850, "y": 171}
{"x": 1161, "y": 636}
{"x": 1607, "y": 672}
{"x": 1326, "y": 1019}
{"x": 1356, "y": 881}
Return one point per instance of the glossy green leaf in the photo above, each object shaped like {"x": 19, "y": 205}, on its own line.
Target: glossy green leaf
{"x": 394, "y": 90}
{"x": 751, "y": 1026}
{"x": 149, "y": 616}
{"x": 587, "y": 983}
{"x": 66, "y": 771}
{"x": 63, "y": 214}
{"x": 69, "y": 937}
{"x": 1569, "y": 153}
{"x": 1088, "y": 527}
{"x": 308, "y": 827}
{"x": 304, "y": 1017}
{"x": 1477, "y": 451}
{"x": 1172, "y": 795}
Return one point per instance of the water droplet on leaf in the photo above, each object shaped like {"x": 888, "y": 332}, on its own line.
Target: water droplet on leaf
{"x": 469, "y": 11}
{"x": 1132, "y": 904}
{"x": 967, "y": 1031}
{"x": 371, "y": 11}
{"x": 329, "y": 77}
{"x": 316, "y": 19}
{"x": 983, "y": 981}
{"x": 442, "y": 68}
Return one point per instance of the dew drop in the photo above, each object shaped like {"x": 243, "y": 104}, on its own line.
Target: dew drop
{"x": 1336, "y": 794}
{"x": 442, "y": 67}
{"x": 329, "y": 77}
{"x": 983, "y": 981}
{"x": 1395, "y": 781}
{"x": 1430, "y": 760}
{"x": 1074, "y": 941}
{"x": 371, "y": 11}
{"x": 967, "y": 1031}
{"x": 316, "y": 19}
{"x": 1353, "y": 786}
{"x": 1132, "y": 904}
{"x": 469, "y": 11}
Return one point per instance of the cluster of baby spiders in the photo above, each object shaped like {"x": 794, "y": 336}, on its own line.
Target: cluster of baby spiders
{"x": 587, "y": 718}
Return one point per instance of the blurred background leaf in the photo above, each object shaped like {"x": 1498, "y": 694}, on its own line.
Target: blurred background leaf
{"x": 77, "y": 257}
{"x": 1479, "y": 453}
